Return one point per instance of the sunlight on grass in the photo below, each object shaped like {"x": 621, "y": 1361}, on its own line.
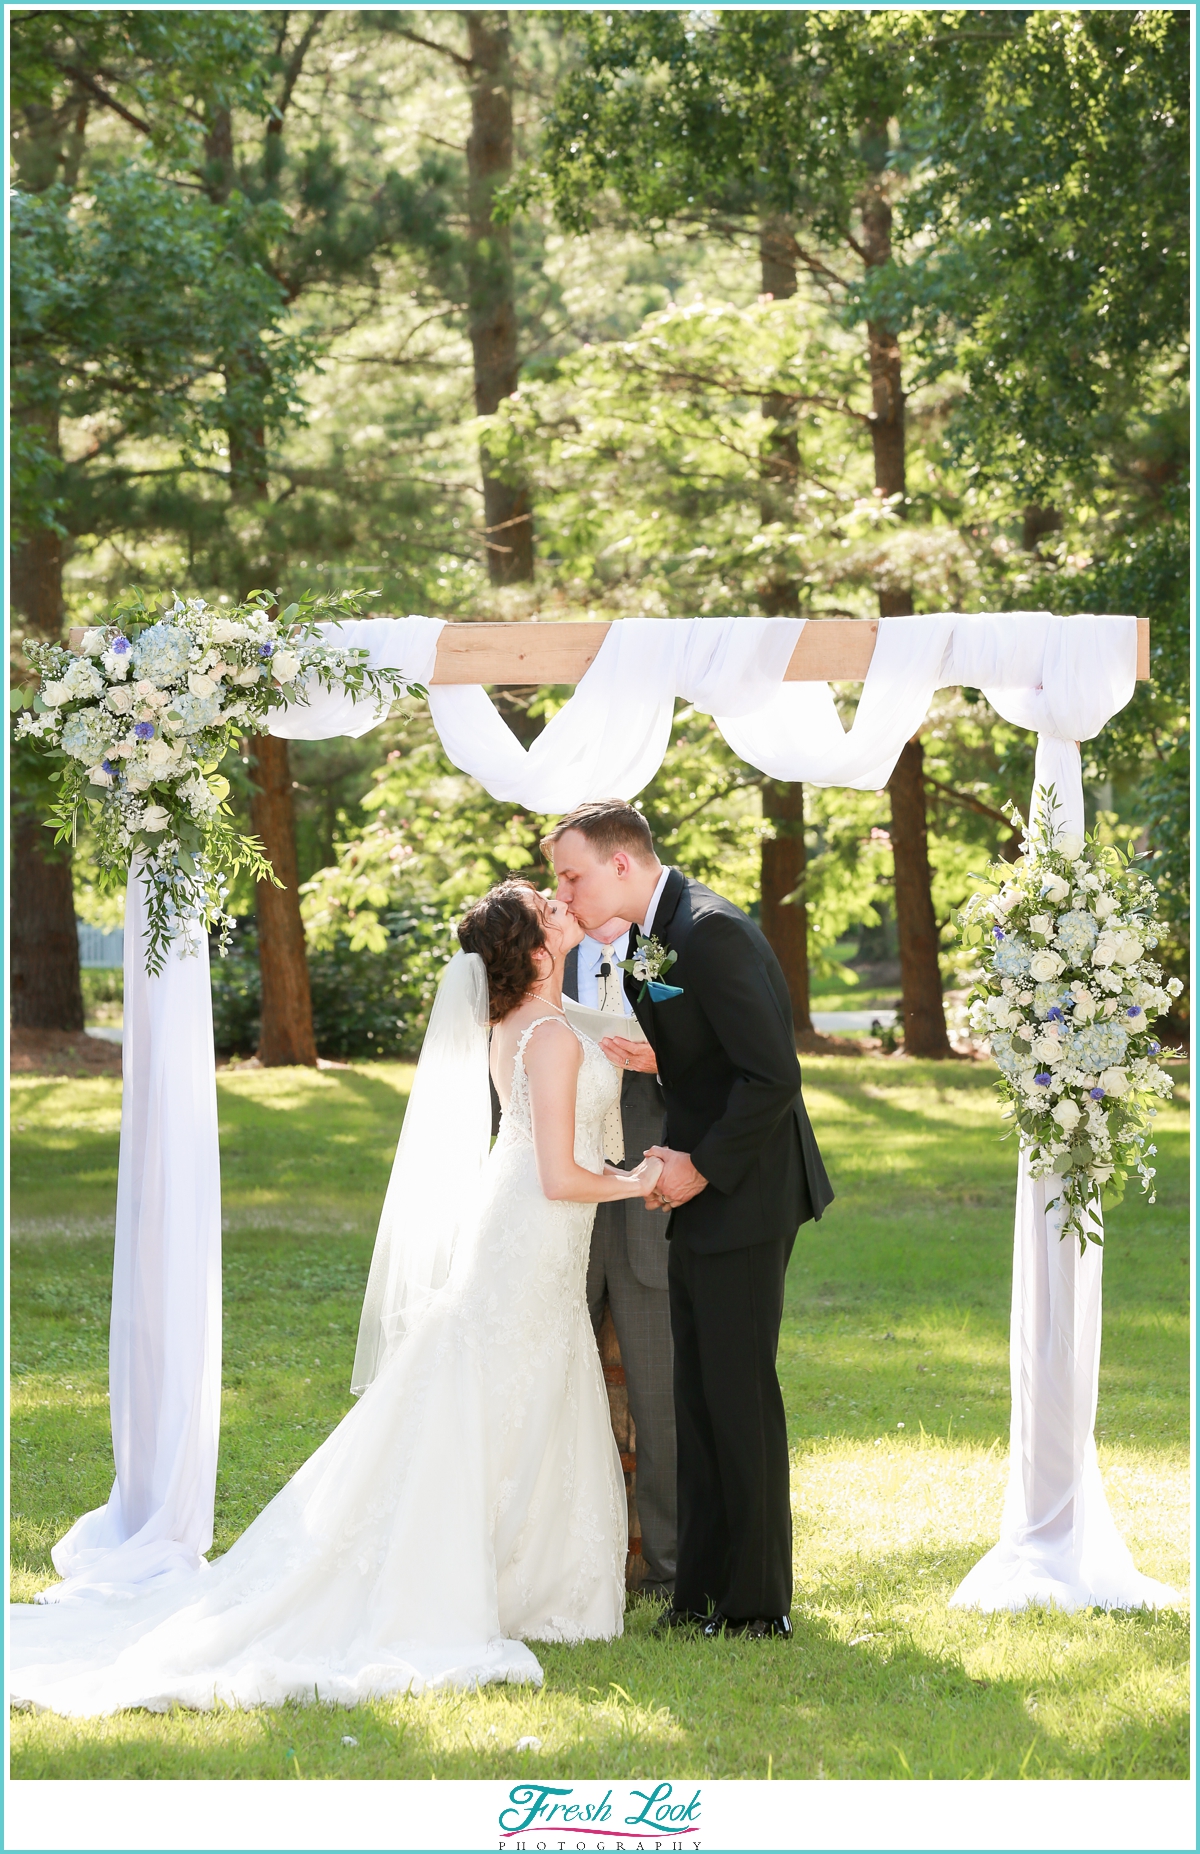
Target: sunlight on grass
{"x": 894, "y": 1364}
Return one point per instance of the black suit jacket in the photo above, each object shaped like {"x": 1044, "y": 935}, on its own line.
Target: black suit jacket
{"x": 730, "y": 1076}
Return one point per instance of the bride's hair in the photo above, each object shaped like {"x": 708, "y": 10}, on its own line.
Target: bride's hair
{"x": 506, "y": 930}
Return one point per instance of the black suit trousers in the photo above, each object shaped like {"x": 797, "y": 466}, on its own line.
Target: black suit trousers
{"x": 735, "y": 1519}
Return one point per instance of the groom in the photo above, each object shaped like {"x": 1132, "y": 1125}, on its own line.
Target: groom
{"x": 741, "y": 1171}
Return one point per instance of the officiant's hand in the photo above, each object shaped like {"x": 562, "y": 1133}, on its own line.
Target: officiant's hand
{"x": 624, "y": 1053}
{"x": 680, "y": 1181}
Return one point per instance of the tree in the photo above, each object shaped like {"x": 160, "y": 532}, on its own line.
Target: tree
{"x": 1052, "y": 220}
{"x": 786, "y": 119}
{"x": 97, "y": 354}
{"x": 208, "y": 99}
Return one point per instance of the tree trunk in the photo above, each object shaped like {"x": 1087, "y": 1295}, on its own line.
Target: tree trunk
{"x": 782, "y": 857}
{"x": 286, "y": 1032}
{"x": 46, "y": 989}
{"x": 286, "y": 1035}
{"x": 785, "y": 923}
{"x": 491, "y": 306}
{"x": 920, "y": 978}
{"x": 46, "y": 992}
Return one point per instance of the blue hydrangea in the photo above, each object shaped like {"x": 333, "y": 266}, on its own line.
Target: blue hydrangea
{"x": 195, "y": 712}
{"x": 1049, "y": 995}
{"x": 1002, "y": 1052}
{"x": 1098, "y": 1046}
{"x": 1011, "y": 958}
{"x": 1076, "y": 934}
{"x": 161, "y": 654}
{"x": 88, "y": 734}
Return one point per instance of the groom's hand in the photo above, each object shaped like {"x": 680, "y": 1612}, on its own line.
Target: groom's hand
{"x": 680, "y": 1181}
{"x": 625, "y": 1053}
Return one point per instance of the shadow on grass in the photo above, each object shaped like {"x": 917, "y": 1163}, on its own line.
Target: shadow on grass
{"x": 831, "y": 1703}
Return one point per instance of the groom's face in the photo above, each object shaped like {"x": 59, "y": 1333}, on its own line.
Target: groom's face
{"x": 594, "y": 888}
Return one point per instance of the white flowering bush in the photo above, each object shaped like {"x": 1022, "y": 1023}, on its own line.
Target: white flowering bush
{"x": 140, "y": 717}
{"x": 1067, "y": 999}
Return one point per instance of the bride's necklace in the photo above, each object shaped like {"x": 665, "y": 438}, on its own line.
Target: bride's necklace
{"x": 550, "y": 1001}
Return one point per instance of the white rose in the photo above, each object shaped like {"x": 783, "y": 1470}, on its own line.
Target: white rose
{"x": 248, "y": 675}
{"x": 225, "y": 631}
{"x": 53, "y": 693}
{"x": 1129, "y": 949}
{"x": 1006, "y": 899}
{"x": 1044, "y": 966}
{"x": 119, "y": 701}
{"x": 1067, "y": 1115}
{"x": 1055, "y": 889}
{"x": 286, "y": 665}
{"x": 156, "y": 817}
{"x": 201, "y": 686}
{"x": 160, "y": 755}
{"x": 1041, "y": 923}
{"x": 1069, "y": 843}
{"x": 1114, "y": 1081}
{"x": 98, "y": 776}
{"x": 93, "y": 643}
{"x": 1104, "y": 951}
{"x": 1104, "y": 905}
{"x": 145, "y": 691}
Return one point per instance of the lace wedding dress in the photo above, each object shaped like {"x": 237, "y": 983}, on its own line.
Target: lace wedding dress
{"x": 471, "y": 1501}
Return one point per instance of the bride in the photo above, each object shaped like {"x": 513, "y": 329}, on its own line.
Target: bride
{"x": 472, "y": 1501}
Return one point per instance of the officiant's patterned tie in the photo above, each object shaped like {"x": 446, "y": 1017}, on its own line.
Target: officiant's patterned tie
{"x": 612, "y": 999}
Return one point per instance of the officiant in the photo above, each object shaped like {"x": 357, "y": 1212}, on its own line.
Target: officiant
{"x": 628, "y": 1261}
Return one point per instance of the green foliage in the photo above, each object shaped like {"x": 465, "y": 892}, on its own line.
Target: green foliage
{"x": 1051, "y": 221}
{"x": 686, "y": 114}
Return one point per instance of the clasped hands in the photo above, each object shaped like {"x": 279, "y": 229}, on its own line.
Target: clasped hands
{"x": 671, "y": 1178}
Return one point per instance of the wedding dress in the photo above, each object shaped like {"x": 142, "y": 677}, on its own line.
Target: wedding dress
{"x": 470, "y": 1502}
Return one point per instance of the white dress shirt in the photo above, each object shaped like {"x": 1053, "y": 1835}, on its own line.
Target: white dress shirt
{"x": 591, "y": 956}
{"x": 656, "y": 897}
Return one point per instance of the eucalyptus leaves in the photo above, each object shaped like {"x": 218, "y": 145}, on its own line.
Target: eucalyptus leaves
{"x": 141, "y": 716}
{"x": 1067, "y": 998}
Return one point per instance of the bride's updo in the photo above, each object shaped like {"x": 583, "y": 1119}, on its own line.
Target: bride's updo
{"x": 506, "y": 930}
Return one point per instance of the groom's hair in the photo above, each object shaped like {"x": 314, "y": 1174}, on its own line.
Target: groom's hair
{"x": 609, "y": 825}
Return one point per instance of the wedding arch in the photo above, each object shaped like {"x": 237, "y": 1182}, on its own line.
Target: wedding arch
{"x": 766, "y": 684}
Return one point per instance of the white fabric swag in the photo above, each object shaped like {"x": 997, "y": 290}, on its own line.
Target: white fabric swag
{"x": 1064, "y": 677}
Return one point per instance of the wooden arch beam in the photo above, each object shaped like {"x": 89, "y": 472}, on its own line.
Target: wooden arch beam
{"x": 517, "y": 655}
{"x": 829, "y": 650}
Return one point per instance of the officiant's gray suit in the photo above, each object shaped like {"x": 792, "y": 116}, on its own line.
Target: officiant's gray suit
{"x": 629, "y": 1260}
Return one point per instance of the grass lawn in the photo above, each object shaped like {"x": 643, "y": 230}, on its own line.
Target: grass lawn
{"x": 894, "y": 1366}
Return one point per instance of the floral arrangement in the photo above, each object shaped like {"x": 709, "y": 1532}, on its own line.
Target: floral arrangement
{"x": 1067, "y": 999}
{"x": 650, "y": 964}
{"x": 140, "y": 717}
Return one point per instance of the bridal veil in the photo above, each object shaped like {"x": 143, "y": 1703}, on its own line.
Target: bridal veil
{"x": 434, "y": 1187}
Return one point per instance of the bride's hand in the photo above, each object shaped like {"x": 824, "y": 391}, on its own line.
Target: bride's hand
{"x": 646, "y": 1176}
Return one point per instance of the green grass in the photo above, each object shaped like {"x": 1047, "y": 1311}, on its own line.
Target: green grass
{"x": 894, "y": 1365}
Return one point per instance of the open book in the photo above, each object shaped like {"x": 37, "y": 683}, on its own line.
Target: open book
{"x": 599, "y": 1024}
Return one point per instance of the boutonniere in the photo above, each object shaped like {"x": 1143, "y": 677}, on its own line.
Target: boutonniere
{"x": 651, "y": 960}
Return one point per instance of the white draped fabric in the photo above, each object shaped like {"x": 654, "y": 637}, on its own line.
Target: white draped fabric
{"x": 1064, "y": 677}
{"x": 165, "y": 1329}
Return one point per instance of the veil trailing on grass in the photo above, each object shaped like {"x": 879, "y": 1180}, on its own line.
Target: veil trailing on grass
{"x": 436, "y": 1174}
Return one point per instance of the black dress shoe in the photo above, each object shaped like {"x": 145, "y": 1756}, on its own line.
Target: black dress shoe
{"x": 685, "y": 1619}
{"x": 755, "y": 1628}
